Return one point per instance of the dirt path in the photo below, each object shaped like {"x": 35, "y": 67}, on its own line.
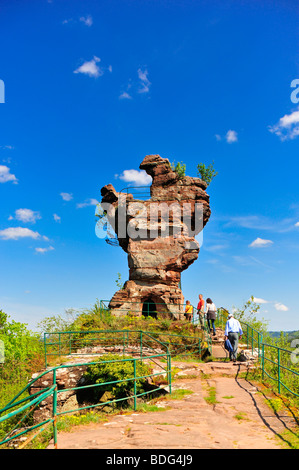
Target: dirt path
{"x": 239, "y": 419}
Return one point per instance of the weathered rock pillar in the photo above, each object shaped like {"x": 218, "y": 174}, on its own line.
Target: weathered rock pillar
{"x": 159, "y": 236}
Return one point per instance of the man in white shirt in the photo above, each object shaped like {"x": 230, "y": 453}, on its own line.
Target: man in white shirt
{"x": 233, "y": 332}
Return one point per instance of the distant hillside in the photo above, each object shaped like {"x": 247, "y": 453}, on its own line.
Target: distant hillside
{"x": 291, "y": 334}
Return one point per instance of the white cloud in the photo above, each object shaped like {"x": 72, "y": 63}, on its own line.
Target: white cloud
{"x": 259, "y": 242}
{"x": 260, "y": 301}
{"x": 87, "y": 20}
{"x": 287, "y": 126}
{"x": 44, "y": 250}
{"x": 14, "y": 233}
{"x": 66, "y": 196}
{"x": 142, "y": 86}
{"x": 231, "y": 136}
{"x": 26, "y": 216}
{"x": 87, "y": 202}
{"x": 218, "y": 137}
{"x": 67, "y": 21}
{"x": 56, "y": 217}
{"x": 90, "y": 68}
{"x": 219, "y": 247}
{"x": 281, "y": 307}
{"x": 139, "y": 177}
{"x": 297, "y": 224}
{"x": 125, "y": 96}
{"x": 6, "y": 176}
{"x": 144, "y": 81}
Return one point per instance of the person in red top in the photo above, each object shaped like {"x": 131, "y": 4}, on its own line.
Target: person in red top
{"x": 200, "y": 309}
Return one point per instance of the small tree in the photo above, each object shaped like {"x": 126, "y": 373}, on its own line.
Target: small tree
{"x": 248, "y": 313}
{"x": 179, "y": 168}
{"x": 206, "y": 173}
{"x": 119, "y": 282}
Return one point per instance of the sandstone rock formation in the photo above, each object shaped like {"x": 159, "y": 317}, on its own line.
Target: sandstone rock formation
{"x": 158, "y": 235}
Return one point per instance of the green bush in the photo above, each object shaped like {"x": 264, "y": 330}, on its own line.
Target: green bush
{"x": 119, "y": 372}
{"x": 179, "y": 169}
{"x": 207, "y": 173}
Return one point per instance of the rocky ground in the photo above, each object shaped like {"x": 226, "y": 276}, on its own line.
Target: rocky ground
{"x": 220, "y": 411}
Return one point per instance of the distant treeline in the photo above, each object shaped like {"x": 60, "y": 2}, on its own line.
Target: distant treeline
{"x": 288, "y": 335}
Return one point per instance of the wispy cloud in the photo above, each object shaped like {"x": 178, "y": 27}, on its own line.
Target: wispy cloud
{"x": 87, "y": 202}
{"x": 66, "y": 196}
{"x": 57, "y": 218}
{"x": 6, "y": 175}
{"x": 277, "y": 305}
{"x": 44, "y": 250}
{"x": 287, "y": 127}
{"x": 15, "y": 233}
{"x": 144, "y": 81}
{"x": 91, "y": 68}
{"x": 260, "y": 301}
{"x": 26, "y": 216}
{"x": 281, "y": 307}
{"x": 125, "y": 96}
{"x": 231, "y": 136}
{"x": 258, "y": 222}
{"x": 139, "y": 177}
{"x": 141, "y": 86}
{"x": 216, "y": 247}
{"x": 251, "y": 261}
{"x": 87, "y": 20}
{"x": 260, "y": 243}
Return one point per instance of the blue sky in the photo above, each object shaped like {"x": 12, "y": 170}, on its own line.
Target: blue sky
{"x": 91, "y": 87}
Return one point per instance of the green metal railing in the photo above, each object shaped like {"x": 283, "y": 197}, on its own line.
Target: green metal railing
{"x": 25, "y": 406}
{"x": 138, "y": 342}
{"x": 273, "y": 360}
{"x": 66, "y": 343}
{"x": 164, "y": 308}
{"x": 138, "y": 192}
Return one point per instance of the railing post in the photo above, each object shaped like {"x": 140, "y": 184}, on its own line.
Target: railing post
{"x": 55, "y": 410}
{"x": 169, "y": 370}
{"x": 278, "y": 371}
{"x": 59, "y": 336}
{"x": 263, "y": 360}
{"x": 45, "y": 346}
{"x": 247, "y": 336}
{"x": 135, "y": 387}
{"x": 141, "y": 345}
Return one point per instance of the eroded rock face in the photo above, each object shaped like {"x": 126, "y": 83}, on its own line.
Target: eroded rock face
{"x": 158, "y": 235}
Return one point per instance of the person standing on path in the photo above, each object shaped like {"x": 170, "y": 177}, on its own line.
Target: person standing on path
{"x": 200, "y": 310}
{"x": 233, "y": 332}
{"x": 188, "y": 311}
{"x": 211, "y": 314}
